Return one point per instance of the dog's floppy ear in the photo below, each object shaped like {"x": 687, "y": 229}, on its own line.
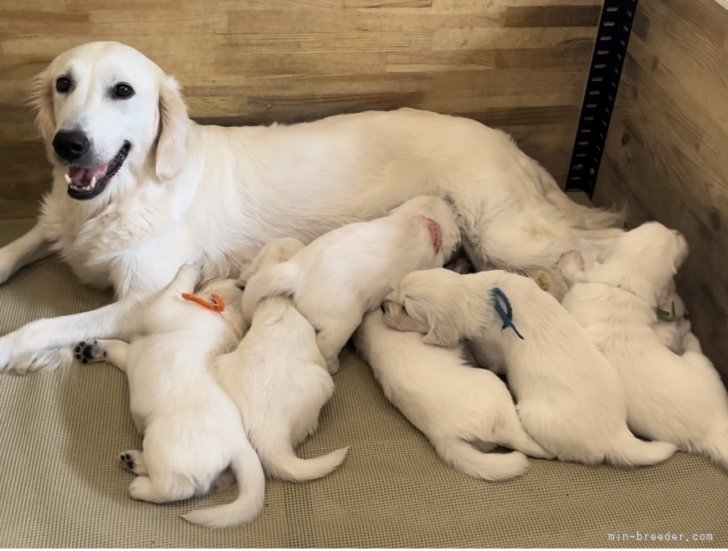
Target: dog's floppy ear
{"x": 442, "y": 330}
{"x": 174, "y": 128}
{"x": 41, "y": 98}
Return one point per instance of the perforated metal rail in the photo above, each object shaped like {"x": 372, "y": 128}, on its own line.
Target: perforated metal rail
{"x": 615, "y": 25}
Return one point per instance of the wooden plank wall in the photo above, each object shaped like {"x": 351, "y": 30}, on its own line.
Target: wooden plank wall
{"x": 666, "y": 150}
{"x": 516, "y": 64}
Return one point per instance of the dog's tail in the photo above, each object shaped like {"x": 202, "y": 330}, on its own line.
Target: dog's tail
{"x": 630, "y": 451}
{"x": 281, "y": 462}
{"x": 272, "y": 280}
{"x": 250, "y": 478}
{"x": 489, "y": 466}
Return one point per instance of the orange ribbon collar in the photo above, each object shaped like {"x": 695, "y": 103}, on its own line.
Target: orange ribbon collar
{"x": 216, "y": 303}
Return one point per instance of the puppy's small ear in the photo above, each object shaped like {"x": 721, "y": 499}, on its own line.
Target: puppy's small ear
{"x": 172, "y": 143}
{"x": 442, "y": 335}
{"x": 570, "y": 266}
{"x": 41, "y": 98}
{"x": 442, "y": 329}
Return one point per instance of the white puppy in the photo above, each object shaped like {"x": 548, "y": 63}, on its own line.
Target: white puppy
{"x": 345, "y": 273}
{"x": 278, "y": 379}
{"x": 454, "y": 404}
{"x": 671, "y": 397}
{"x": 192, "y": 430}
{"x": 569, "y": 398}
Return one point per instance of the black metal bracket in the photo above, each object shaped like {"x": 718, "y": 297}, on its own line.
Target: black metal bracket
{"x": 615, "y": 25}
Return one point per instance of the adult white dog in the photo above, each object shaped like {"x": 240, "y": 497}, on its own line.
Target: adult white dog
{"x": 347, "y": 272}
{"x": 278, "y": 379}
{"x": 192, "y": 429}
{"x": 455, "y": 405}
{"x": 675, "y": 397}
{"x": 570, "y": 400}
{"x": 139, "y": 189}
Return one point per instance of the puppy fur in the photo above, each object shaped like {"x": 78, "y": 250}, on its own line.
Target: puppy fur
{"x": 675, "y": 397}
{"x": 569, "y": 398}
{"x": 192, "y": 430}
{"x": 454, "y": 404}
{"x": 278, "y": 379}
{"x": 340, "y": 276}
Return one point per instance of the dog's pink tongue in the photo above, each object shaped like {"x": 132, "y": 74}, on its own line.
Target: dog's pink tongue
{"x": 82, "y": 177}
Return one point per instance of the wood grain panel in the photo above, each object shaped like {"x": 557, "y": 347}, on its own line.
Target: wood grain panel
{"x": 520, "y": 64}
{"x": 666, "y": 154}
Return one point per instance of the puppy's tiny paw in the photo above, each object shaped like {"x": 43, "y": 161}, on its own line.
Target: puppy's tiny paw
{"x": 133, "y": 461}
{"x": 89, "y": 352}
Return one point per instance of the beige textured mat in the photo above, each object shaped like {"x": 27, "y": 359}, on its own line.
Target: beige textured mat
{"x": 61, "y": 485}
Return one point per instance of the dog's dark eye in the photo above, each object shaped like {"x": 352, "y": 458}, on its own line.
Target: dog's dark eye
{"x": 122, "y": 91}
{"x": 63, "y": 84}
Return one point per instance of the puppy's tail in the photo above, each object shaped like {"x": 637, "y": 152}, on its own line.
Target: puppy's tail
{"x": 282, "y": 463}
{"x": 272, "y": 280}
{"x": 489, "y": 466}
{"x": 251, "y": 494}
{"x": 630, "y": 451}
{"x": 716, "y": 447}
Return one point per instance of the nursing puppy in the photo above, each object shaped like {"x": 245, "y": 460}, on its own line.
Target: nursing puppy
{"x": 454, "y": 404}
{"x": 278, "y": 379}
{"x": 569, "y": 398}
{"x": 336, "y": 279}
{"x": 677, "y": 398}
{"x": 192, "y": 430}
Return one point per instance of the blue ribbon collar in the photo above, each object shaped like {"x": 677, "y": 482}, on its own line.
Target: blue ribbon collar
{"x": 504, "y": 310}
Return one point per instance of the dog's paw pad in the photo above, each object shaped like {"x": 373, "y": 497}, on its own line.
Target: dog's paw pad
{"x": 127, "y": 461}
{"x": 88, "y": 352}
{"x": 133, "y": 461}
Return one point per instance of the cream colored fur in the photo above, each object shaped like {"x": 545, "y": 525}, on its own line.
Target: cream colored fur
{"x": 192, "y": 430}
{"x": 455, "y": 405}
{"x": 201, "y": 193}
{"x": 569, "y": 398}
{"x": 278, "y": 379}
{"x": 675, "y": 397}
{"x": 336, "y": 279}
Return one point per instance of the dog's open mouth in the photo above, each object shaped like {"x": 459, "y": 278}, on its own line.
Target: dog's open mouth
{"x": 88, "y": 182}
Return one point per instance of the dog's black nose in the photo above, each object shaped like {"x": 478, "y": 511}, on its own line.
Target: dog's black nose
{"x": 71, "y": 144}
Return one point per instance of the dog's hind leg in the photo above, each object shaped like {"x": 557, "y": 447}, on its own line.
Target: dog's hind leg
{"x": 512, "y": 435}
{"x": 333, "y": 338}
{"x": 154, "y": 490}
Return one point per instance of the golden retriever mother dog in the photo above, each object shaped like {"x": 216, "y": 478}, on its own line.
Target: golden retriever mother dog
{"x": 139, "y": 189}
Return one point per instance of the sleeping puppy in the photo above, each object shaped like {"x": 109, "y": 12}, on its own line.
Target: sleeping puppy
{"x": 677, "y": 398}
{"x": 340, "y": 276}
{"x": 454, "y": 404}
{"x": 278, "y": 379}
{"x": 671, "y": 322}
{"x": 192, "y": 430}
{"x": 569, "y": 398}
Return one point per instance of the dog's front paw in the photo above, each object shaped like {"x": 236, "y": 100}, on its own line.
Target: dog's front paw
{"x": 89, "y": 352}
